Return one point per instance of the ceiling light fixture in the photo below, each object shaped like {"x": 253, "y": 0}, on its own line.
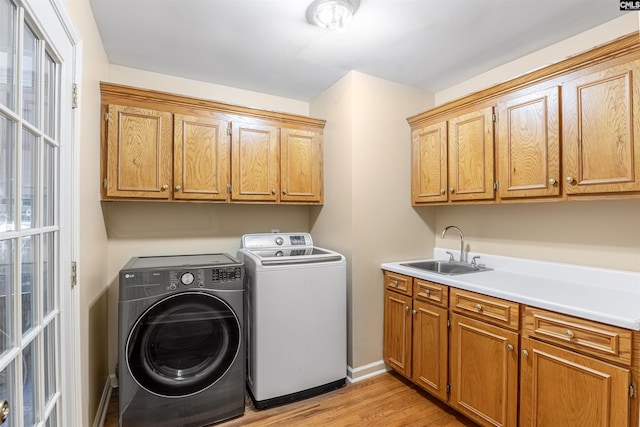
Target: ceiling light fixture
{"x": 332, "y": 14}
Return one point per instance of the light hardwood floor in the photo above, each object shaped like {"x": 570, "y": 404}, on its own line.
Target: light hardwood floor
{"x": 385, "y": 400}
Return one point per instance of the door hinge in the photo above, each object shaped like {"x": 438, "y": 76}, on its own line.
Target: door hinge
{"x": 448, "y": 323}
{"x": 496, "y": 186}
{"x": 229, "y": 129}
{"x": 632, "y": 390}
{"x": 494, "y": 117}
{"x": 74, "y": 95}
{"x": 105, "y": 183}
{"x": 448, "y": 388}
{"x": 229, "y": 188}
{"x": 106, "y": 117}
{"x": 74, "y": 274}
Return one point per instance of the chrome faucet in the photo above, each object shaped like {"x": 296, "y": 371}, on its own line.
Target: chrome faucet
{"x": 461, "y": 239}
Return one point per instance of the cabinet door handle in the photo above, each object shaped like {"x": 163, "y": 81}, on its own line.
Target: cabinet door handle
{"x": 284, "y": 191}
{"x": 525, "y": 353}
{"x": 178, "y": 188}
{"x": 569, "y": 180}
{"x": 509, "y": 347}
{"x": 414, "y": 312}
{"x": 4, "y": 411}
{"x": 273, "y": 191}
{"x": 165, "y": 187}
{"x": 552, "y": 181}
{"x": 451, "y": 190}
{"x": 442, "y": 191}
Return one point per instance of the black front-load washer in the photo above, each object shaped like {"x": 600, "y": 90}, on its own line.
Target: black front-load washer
{"x": 181, "y": 347}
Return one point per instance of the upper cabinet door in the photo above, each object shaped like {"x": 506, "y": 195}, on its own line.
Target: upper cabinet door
{"x": 471, "y": 156}
{"x": 254, "y": 162}
{"x": 529, "y": 145}
{"x": 601, "y": 130}
{"x": 300, "y": 166}
{"x": 201, "y": 158}
{"x": 429, "y": 164}
{"x": 139, "y": 153}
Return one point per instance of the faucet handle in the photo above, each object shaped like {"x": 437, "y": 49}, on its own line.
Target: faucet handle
{"x": 451, "y": 258}
{"x": 473, "y": 260}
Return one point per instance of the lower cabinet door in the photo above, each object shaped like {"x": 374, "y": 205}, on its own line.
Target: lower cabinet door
{"x": 430, "y": 348}
{"x": 562, "y": 388}
{"x": 484, "y": 371}
{"x": 397, "y": 332}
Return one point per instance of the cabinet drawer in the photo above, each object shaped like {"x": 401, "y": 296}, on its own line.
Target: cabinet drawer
{"x": 434, "y": 293}
{"x": 490, "y": 309}
{"x": 605, "y": 341}
{"x": 398, "y": 283}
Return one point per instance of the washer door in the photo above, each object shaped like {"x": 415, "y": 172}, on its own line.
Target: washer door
{"x": 183, "y": 344}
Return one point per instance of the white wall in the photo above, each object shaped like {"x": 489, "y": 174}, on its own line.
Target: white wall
{"x": 367, "y": 213}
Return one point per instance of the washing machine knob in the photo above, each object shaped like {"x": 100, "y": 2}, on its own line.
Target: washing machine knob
{"x": 187, "y": 278}
{"x": 279, "y": 241}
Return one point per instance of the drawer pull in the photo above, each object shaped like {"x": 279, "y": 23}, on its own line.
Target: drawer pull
{"x": 395, "y": 283}
{"x": 479, "y": 307}
{"x": 525, "y": 353}
{"x": 570, "y": 334}
{"x": 509, "y": 347}
{"x": 427, "y": 292}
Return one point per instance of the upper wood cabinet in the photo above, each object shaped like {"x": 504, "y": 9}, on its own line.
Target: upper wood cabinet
{"x": 200, "y": 158}
{"x": 602, "y": 130}
{"x": 139, "y": 145}
{"x": 565, "y": 131}
{"x": 528, "y": 143}
{"x": 471, "y": 156}
{"x": 161, "y": 146}
{"x": 452, "y": 160}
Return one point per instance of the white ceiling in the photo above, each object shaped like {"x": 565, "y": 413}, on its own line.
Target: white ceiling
{"x": 268, "y": 46}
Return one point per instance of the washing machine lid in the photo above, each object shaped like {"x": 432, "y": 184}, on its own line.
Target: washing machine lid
{"x": 181, "y": 261}
{"x": 286, "y": 249}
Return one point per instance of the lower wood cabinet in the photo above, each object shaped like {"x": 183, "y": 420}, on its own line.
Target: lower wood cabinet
{"x": 503, "y": 364}
{"x": 562, "y": 388}
{"x": 430, "y": 355}
{"x": 397, "y": 332}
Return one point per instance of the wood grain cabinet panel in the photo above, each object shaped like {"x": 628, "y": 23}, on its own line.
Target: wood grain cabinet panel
{"x": 201, "y": 158}
{"x": 429, "y": 164}
{"x": 529, "y": 145}
{"x": 255, "y": 162}
{"x": 430, "y": 351}
{"x": 484, "y": 371}
{"x": 486, "y": 308}
{"x": 602, "y": 130}
{"x": 301, "y": 165}
{"x": 434, "y": 293}
{"x": 398, "y": 283}
{"x": 471, "y": 156}
{"x": 138, "y": 144}
{"x": 562, "y": 388}
{"x": 397, "y": 332}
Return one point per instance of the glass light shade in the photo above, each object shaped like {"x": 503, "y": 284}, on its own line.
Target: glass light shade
{"x": 333, "y": 14}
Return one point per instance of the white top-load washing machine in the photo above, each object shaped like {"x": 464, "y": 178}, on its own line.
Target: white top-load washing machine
{"x": 296, "y": 317}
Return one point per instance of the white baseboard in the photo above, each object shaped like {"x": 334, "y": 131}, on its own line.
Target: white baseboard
{"x": 101, "y": 414}
{"x": 367, "y": 371}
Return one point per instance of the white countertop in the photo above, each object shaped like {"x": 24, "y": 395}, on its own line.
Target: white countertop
{"x": 603, "y": 295}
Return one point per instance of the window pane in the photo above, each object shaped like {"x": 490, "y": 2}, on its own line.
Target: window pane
{"x": 7, "y": 173}
{"x": 49, "y": 96}
{"x": 48, "y": 273}
{"x": 7, "y": 54}
{"x": 29, "y": 180}
{"x": 49, "y": 362}
{"x": 29, "y": 275}
{"x": 30, "y": 70}
{"x": 7, "y": 387}
{"x": 49, "y": 185}
{"x": 28, "y": 381}
{"x": 6, "y": 294}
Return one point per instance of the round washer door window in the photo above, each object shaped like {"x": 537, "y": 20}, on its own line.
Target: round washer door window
{"x": 183, "y": 344}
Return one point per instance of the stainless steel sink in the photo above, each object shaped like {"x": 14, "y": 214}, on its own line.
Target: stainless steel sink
{"x": 446, "y": 267}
